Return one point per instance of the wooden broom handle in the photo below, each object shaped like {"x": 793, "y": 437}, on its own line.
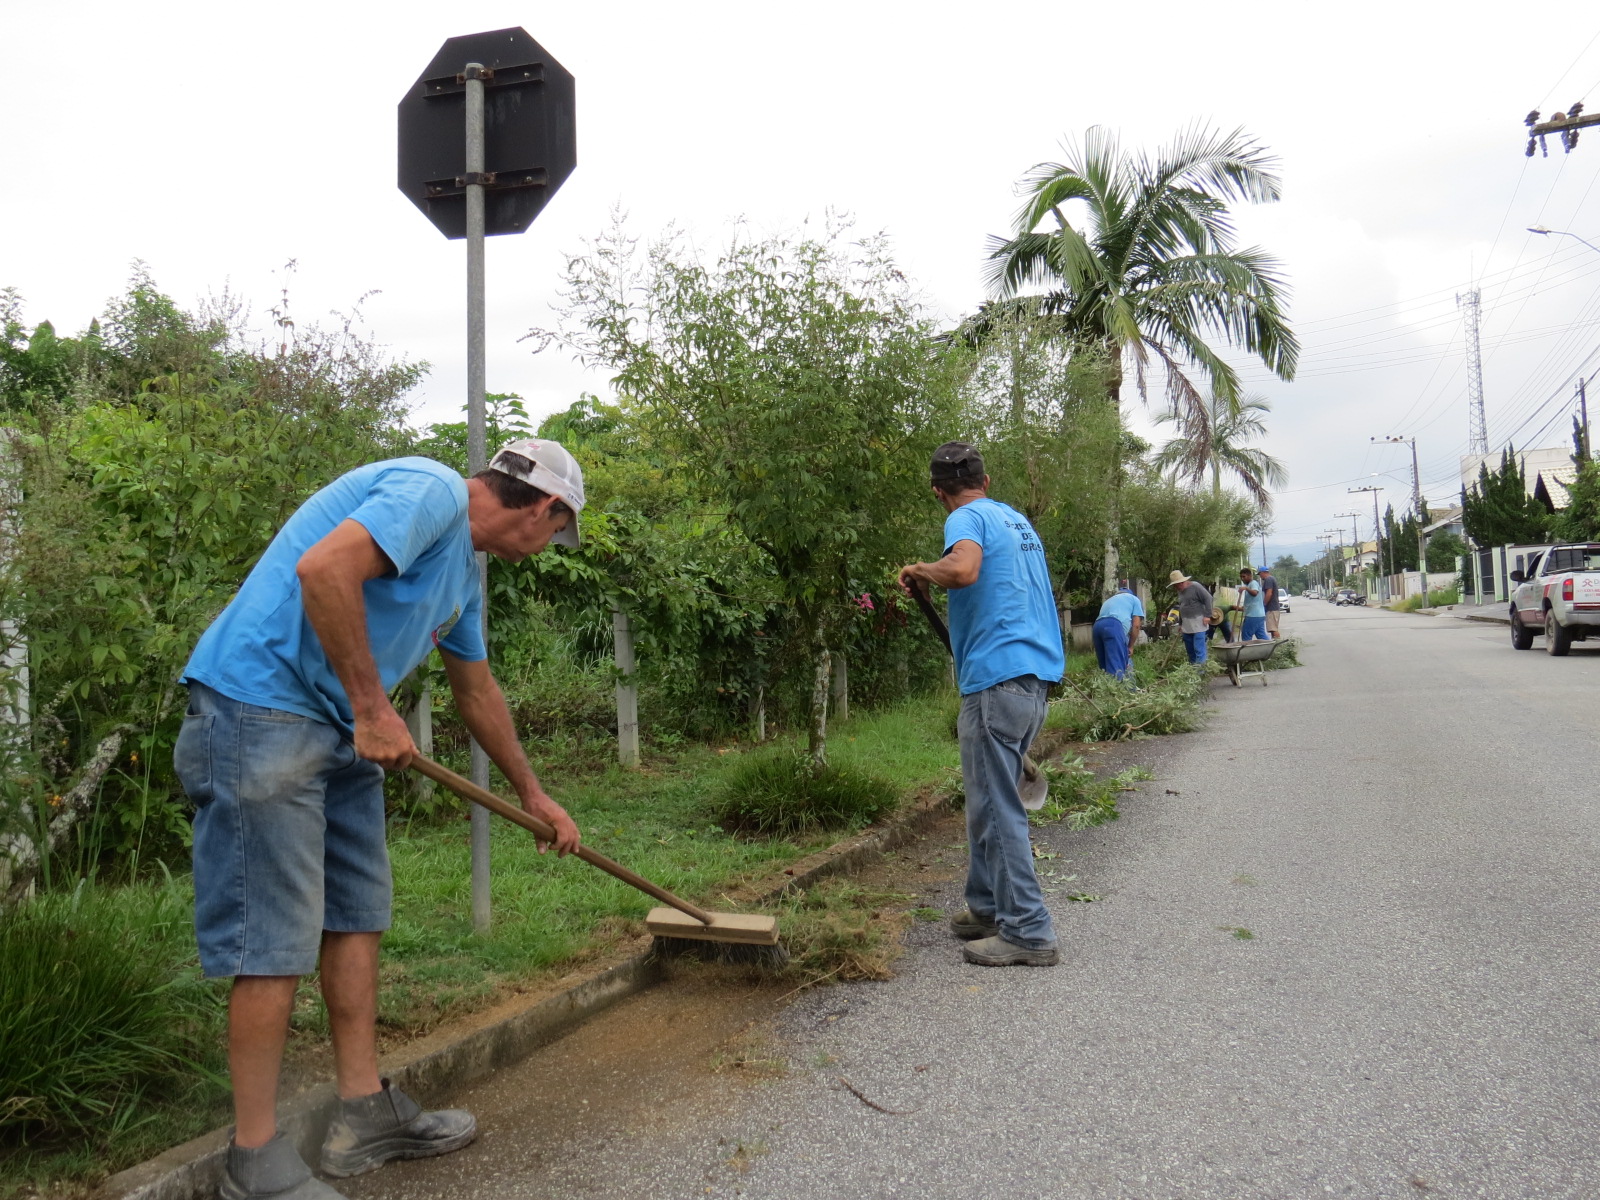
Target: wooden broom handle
{"x": 468, "y": 790}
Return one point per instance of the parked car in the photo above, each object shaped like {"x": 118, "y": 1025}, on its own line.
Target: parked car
{"x": 1557, "y": 595}
{"x": 1312, "y": 593}
{"x": 1283, "y": 602}
{"x": 1346, "y": 596}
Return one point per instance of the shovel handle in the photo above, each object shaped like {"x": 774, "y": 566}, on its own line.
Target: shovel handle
{"x": 468, "y": 790}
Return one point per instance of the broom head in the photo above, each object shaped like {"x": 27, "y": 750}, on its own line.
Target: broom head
{"x": 751, "y": 930}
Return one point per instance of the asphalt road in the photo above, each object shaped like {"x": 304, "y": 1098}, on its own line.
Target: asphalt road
{"x": 1408, "y": 830}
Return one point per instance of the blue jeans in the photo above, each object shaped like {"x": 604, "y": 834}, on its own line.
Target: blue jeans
{"x": 288, "y": 835}
{"x": 996, "y": 727}
{"x": 1194, "y": 644}
{"x": 1255, "y": 629}
{"x": 1111, "y": 647}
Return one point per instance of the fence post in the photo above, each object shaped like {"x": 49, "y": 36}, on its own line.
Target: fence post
{"x": 627, "y": 690}
{"x": 841, "y": 687}
{"x": 419, "y": 720}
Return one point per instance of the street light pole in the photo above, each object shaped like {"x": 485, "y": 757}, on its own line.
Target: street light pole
{"x": 1377, "y": 540}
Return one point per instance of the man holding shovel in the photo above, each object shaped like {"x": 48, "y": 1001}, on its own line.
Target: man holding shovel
{"x": 283, "y": 751}
{"x": 1006, "y": 639}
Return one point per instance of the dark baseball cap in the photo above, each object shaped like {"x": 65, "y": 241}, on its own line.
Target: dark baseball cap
{"x": 957, "y": 462}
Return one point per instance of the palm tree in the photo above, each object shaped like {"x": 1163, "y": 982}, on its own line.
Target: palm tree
{"x": 1219, "y": 444}
{"x": 1155, "y": 271}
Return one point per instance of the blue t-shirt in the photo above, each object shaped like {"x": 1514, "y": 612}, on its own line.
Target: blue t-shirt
{"x": 1124, "y": 606}
{"x": 1005, "y": 624}
{"x": 1250, "y": 599}
{"x": 262, "y": 648}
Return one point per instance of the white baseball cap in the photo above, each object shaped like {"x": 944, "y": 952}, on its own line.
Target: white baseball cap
{"x": 553, "y": 471}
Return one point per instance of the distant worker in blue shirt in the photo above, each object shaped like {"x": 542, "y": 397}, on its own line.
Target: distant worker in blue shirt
{"x": 1253, "y": 606}
{"x": 1006, "y": 637}
{"x": 1116, "y": 631}
{"x": 283, "y": 750}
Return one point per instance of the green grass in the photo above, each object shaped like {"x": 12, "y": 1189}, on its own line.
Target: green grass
{"x": 110, "y": 1042}
{"x": 660, "y": 822}
{"x": 786, "y": 793}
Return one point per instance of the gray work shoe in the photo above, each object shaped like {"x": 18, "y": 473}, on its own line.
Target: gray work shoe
{"x": 997, "y": 952}
{"x": 965, "y": 925}
{"x": 370, "y": 1130}
{"x": 275, "y": 1170}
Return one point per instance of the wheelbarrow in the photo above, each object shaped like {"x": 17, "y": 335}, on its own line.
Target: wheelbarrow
{"x": 1237, "y": 655}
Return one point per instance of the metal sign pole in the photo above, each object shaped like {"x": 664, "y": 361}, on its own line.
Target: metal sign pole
{"x": 477, "y": 452}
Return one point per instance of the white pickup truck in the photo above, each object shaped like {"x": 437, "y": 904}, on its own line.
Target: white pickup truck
{"x": 1558, "y": 595}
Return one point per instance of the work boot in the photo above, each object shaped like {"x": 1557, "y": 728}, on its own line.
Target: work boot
{"x": 370, "y": 1130}
{"x": 997, "y": 952}
{"x": 965, "y": 925}
{"x": 275, "y": 1170}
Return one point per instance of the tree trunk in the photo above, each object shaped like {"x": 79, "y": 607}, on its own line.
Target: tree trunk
{"x": 1108, "y": 584}
{"x": 758, "y": 713}
{"x": 819, "y": 701}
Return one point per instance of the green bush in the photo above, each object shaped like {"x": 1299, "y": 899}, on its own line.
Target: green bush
{"x": 101, "y": 1011}
{"x": 1437, "y": 598}
{"x": 781, "y": 794}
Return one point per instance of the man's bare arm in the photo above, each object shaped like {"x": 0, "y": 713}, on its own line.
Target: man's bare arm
{"x": 331, "y": 574}
{"x": 483, "y": 709}
{"x": 957, "y": 569}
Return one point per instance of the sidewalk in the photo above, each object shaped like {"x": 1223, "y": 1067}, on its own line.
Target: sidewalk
{"x": 1495, "y": 614}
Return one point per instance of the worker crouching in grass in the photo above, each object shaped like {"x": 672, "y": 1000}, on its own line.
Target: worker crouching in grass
{"x": 283, "y": 750}
{"x": 1006, "y": 639}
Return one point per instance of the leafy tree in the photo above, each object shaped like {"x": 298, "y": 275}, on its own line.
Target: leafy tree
{"x": 1498, "y": 511}
{"x": 1154, "y": 273}
{"x": 798, "y": 385}
{"x": 146, "y": 491}
{"x": 1290, "y": 574}
{"x": 1166, "y": 526}
{"x": 1218, "y": 443}
{"x": 1580, "y": 520}
{"x": 1444, "y": 548}
{"x": 1050, "y": 440}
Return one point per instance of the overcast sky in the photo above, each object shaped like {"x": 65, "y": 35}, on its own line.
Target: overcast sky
{"x": 216, "y": 142}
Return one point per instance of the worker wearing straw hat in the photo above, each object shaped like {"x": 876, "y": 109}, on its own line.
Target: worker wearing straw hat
{"x": 1194, "y": 615}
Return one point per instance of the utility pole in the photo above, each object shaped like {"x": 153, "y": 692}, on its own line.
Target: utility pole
{"x": 1416, "y": 499}
{"x": 1355, "y": 538}
{"x": 1477, "y": 425}
{"x": 1583, "y": 417}
{"x": 1377, "y": 538}
{"x": 1566, "y": 124}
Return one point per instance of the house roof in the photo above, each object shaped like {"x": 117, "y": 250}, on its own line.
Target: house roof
{"x": 1553, "y": 487}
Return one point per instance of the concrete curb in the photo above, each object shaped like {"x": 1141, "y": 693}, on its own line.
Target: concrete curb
{"x": 434, "y": 1066}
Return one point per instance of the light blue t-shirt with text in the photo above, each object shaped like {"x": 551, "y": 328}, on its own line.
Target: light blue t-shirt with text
{"x": 1005, "y": 624}
{"x": 263, "y": 650}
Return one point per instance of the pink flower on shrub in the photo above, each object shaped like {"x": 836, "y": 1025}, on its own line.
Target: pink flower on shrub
{"x": 864, "y": 602}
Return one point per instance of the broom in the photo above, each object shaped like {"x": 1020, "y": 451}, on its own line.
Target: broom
{"x": 756, "y": 934}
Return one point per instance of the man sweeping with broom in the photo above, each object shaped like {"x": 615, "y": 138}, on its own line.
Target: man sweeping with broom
{"x": 1006, "y": 639}
{"x": 283, "y": 751}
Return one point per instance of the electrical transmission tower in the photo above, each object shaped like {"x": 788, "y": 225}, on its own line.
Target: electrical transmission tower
{"x": 1477, "y": 426}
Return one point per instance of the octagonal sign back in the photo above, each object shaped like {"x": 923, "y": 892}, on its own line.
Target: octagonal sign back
{"x": 530, "y": 132}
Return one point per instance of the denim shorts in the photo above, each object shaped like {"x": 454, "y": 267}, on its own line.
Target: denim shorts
{"x": 288, "y": 835}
